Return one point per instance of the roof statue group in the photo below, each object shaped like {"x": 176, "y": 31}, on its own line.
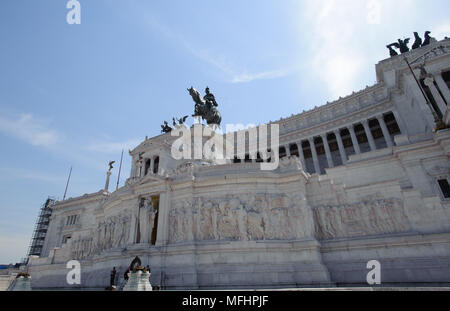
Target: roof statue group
{"x": 205, "y": 107}
{"x": 402, "y": 45}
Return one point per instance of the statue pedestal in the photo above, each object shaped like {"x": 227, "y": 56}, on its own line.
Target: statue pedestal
{"x": 22, "y": 284}
{"x": 138, "y": 281}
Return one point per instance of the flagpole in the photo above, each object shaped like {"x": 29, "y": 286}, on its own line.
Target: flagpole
{"x": 120, "y": 168}
{"x": 67, "y": 185}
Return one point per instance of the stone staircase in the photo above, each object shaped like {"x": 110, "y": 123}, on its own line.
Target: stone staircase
{"x": 6, "y": 280}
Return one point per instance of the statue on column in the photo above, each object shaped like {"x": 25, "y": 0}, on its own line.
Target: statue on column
{"x": 152, "y": 214}
{"x": 108, "y": 174}
{"x": 139, "y": 165}
{"x": 144, "y": 225}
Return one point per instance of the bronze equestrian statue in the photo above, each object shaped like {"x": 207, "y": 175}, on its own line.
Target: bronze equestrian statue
{"x": 206, "y": 107}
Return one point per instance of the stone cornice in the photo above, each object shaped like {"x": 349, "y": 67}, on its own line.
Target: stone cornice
{"x": 337, "y": 123}
{"x": 342, "y": 106}
{"x": 85, "y": 199}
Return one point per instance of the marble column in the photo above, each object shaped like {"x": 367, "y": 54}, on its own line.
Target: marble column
{"x": 288, "y": 150}
{"x": 384, "y": 129}
{"x": 354, "y": 139}
{"x": 369, "y": 135}
{"x": 314, "y": 155}
{"x": 133, "y": 224}
{"x": 133, "y": 169}
{"x": 301, "y": 155}
{"x": 400, "y": 123}
{"x": 144, "y": 166}
{"x": 437, "y": 97}
{"x": 337, "y": 133}
{"x": 141, "y": 168}
{"x": 152, "y": 165}
{"x": 162, "y": 234}
{"x": 108, "y": 175}
{"x": 138, "y": 169}
{"x": 443, "y": 87}
{"x": 327, "y": 150}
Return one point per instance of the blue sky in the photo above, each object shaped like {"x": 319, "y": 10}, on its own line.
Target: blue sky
{"x": 75, "y": 95}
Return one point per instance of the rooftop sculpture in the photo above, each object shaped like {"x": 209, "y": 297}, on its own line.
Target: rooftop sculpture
{"x": 205, "y": 107}
{"x": 402, "y": 45}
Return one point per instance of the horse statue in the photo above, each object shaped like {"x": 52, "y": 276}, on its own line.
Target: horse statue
{"x": 206, "y": 107}
{"x": 165, "y": 128}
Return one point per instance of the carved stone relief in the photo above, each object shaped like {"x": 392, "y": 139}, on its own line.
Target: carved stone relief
{"x": 250, "y": 217}
{"x": 379, "y": 216}
{"x": 112, "y": 232}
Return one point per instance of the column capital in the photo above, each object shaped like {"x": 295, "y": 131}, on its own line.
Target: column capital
{"x": 428, "y": 81}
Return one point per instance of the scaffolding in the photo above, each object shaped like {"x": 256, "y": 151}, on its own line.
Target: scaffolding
{"x": 40, "y": 229}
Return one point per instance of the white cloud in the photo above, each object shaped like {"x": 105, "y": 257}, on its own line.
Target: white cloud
{"x": 30, "y": 130}
{"x": 334, "y": 59}
{"x": 341, "y": 33}
{"x": 246, "y": 77}
{"x": 441, "y": 31}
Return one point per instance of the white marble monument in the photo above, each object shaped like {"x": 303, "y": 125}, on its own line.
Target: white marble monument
{"x": 362, "y": 178}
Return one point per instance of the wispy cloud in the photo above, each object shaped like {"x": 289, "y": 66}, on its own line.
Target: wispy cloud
{"x": 233, "y": 72}
{"x": 26, "y": 174}
{"x": 113, "y": 147}
{"x": 37, "y": 132}
{"x": 248, "y": 77}
{"x": 30, "y": 129}
{"x": 228, "y": 68}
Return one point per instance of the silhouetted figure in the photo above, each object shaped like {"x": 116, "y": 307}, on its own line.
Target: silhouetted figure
{"x": 427, "y": 38}
{"x": 113, "y": 277}
{"x": 403, "y": 45}
{"x": 418, "y": 42}
{"x": 392, "y": 52}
